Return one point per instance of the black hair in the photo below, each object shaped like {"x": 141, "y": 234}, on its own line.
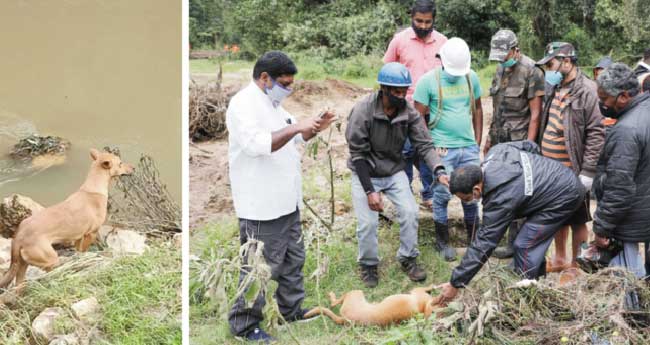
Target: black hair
{"x": 424, "y": 6}
{"x": 618, "y": 78}
{"x": 275, "y": 63}
{"x": 465, "y": 178}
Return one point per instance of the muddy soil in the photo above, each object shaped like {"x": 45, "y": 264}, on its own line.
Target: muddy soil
{"x": 210, "y": 198}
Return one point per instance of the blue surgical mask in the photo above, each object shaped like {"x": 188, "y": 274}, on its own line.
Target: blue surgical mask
{"x": 277, "y": 93}
{"x": 553, "y": 77}
{"x": 509, "y": 63}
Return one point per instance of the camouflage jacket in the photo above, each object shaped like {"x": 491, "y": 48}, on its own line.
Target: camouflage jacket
{"x": 511, "y": 91}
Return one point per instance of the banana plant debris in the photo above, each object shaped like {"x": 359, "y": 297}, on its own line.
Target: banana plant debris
{"x": 610, "y": 307}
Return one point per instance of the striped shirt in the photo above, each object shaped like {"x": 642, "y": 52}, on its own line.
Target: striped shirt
{"x": 553, "y": 143}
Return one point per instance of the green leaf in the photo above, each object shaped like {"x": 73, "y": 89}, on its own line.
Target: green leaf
{"x": 253, "y": 290}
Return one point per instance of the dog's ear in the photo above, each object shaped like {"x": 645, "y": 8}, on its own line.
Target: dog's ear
{"x": 94, "y": 154}
{"x": 107, "y": 164}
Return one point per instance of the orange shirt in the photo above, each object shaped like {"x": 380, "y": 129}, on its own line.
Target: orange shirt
{"x": 419, "y": 56}
{"x": 554, "y": 143}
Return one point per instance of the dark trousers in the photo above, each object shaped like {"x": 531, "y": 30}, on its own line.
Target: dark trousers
{"x": 536, "y": 236}
{"x": 284, "y": 252}
{"x": 426, "y": 176}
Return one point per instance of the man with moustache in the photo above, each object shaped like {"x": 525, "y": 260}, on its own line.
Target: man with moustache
{"x": 417, "y": 48}
{"x": 572, "y": 133}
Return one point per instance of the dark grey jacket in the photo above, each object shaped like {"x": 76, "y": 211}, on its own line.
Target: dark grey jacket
{"x": 622, "y": 183}
{"x": 372, "y": 136}
{"x": 507, "y": 196}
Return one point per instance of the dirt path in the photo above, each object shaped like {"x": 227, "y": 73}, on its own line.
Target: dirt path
{"x": 210, "y": 198}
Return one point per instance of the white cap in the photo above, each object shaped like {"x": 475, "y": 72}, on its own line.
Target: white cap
{"x": 455, "y": 57}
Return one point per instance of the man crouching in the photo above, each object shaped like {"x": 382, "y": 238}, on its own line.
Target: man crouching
{"x": 514, "y": 182}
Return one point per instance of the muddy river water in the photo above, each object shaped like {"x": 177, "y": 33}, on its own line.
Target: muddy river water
{"x": 96, "y": 72}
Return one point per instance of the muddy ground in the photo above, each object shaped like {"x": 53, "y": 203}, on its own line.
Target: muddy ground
{"x": 210, "y": 198}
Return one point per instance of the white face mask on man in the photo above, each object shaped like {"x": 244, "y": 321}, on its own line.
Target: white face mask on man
{"x": 277, "y": 93}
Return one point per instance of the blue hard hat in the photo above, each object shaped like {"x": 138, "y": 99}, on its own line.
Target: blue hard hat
{"x": 394, "y": 74}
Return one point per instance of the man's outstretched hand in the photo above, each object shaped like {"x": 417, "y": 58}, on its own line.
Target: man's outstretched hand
{"x": 447, "y": 293}
{"x": 602, "y": 242}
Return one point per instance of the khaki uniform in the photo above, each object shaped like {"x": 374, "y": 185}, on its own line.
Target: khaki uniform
{"x": 512, "y": 89}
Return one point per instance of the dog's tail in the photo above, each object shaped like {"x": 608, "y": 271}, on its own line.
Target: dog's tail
{"x": 324, "y": 311}
{"x": 16, "y": 262}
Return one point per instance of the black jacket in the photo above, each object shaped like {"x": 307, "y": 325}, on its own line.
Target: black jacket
{"x": 622, "y": 183}
{"x": 508, "y": 196}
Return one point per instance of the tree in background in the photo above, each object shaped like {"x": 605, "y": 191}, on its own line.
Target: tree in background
{"x": 475, "y": 21}
{"x": 342, "y": 28}
{"x": 207, "y": 22}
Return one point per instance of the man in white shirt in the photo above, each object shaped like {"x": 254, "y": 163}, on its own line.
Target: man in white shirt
{"x": 265, "y": 179}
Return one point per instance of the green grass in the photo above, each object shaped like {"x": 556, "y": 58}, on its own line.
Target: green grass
{"x": 485, "y": 75}
{"x": 212, "y": 66}
{"x": 358, "y": 70}
{"x": 138, "y": 297}
{"x": 208, "y": 326}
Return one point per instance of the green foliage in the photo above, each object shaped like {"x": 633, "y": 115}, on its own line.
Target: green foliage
{"x": 622, "y": 28}
{"x": 595, "y": 27}
{"x": 344, "y": 30}
{"x": 206, "y": 21}
{"x": 474, "y": 20}
{"x": 335, "y": 29}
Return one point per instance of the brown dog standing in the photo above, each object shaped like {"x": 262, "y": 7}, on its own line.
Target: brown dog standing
{"x": 393, "y": 309}
{"x": 77, "y": 219}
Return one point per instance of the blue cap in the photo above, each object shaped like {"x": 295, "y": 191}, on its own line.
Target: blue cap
{"x": 394, "y": 74}
{"x": 605, "y": 62}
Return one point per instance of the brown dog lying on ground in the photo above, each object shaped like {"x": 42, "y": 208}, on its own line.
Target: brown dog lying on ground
{"x": 75, "y": 220}
{"x": 393, "y": 309}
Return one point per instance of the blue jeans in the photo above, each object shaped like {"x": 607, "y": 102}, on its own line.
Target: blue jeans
{"x": 452, "y": 159}
{"x": 426, "y": 177}
{"x": 396, "y": 189}
{"x": 631, "y": 259}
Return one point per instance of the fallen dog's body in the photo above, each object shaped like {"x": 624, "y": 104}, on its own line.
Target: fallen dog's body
{"x": 393, "y": 309}
{"x": 75, "y": 220}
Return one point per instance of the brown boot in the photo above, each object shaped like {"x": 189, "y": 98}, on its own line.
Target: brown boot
{"x": 413, "y": 270}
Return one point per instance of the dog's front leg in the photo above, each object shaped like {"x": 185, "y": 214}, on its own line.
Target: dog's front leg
{"x": 84, "y": 243}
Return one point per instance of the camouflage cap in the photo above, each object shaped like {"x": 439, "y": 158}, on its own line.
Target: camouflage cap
{"x": 557, "y": 49}
{"x": 501, "y": 43}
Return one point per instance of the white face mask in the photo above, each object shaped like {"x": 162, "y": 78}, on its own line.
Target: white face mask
{"x": 277, "y": 93}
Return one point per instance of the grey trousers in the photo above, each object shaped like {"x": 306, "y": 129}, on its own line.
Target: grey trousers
{"x": 284, "y": 251}
{"x": 397, "y": 189}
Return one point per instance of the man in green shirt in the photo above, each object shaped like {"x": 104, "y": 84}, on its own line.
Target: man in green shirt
{"x": 451, "y": 95}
